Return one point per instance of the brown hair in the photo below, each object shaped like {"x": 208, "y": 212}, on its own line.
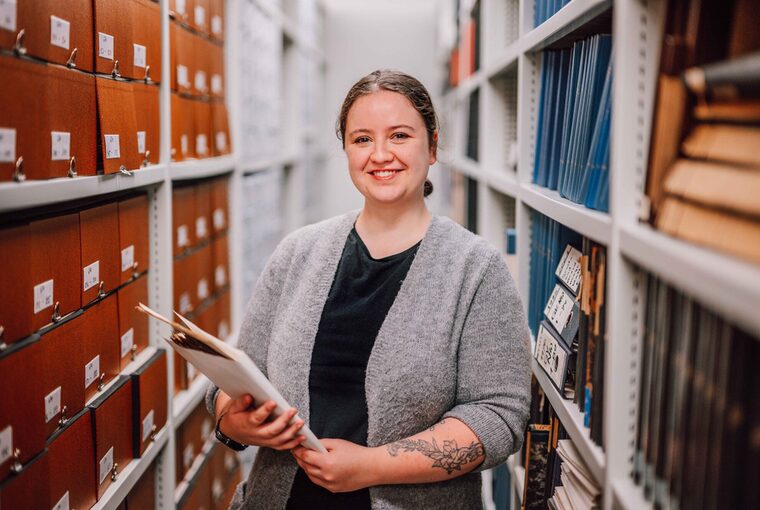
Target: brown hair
{"x": 402, "y": 83}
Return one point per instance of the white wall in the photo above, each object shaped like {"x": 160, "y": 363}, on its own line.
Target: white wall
{"x": 361, "y": 36}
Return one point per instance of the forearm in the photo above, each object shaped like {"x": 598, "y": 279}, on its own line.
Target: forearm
{"x": 442, "y": 452}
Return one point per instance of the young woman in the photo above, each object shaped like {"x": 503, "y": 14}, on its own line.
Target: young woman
{"x": 399, "y": 335}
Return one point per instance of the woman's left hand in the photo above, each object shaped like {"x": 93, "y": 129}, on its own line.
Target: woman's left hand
{"x": 345, "y": 467}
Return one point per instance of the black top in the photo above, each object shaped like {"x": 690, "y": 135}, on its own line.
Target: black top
{"x": 362, "y": 292}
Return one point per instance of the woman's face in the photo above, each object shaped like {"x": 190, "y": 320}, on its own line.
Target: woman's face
{"x": 387, "y": 147}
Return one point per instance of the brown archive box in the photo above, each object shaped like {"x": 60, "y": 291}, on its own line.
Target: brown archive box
{"x": 216, "y": 70}
{"x": 183, "y": 218}
{"x": 203, "y": 141}
{"x": 181, "y": 10}
{"x": 16, "y": 277}
{"x": 183, "y": 58}
{"x": 183, "y": 128}
{"x": 191, "y": 436}
{"x": 149, "y": 401}
{"x": 198, "y": 493}
{"x": 202, "y": 75}
{"x": 219, "y": 204}
{"x": 112, "y": 428}
{"x": 56, "y": 276}
{"x": 180, "y": 373}
{"x": 143, "y": 494}
{"x": 101, "y": 260}
{"x": 146, "y": 40}
{"x": 53, "y": 29}
{"x": 225, "y": 472}
{"x": 186, "y": 273}
{"x": 223, "y": 314}
{"x": 199, "y": 18}
{"x": 71, "y": 453}
{"x": 206, "y": 319}
{"x": 22, "y": 418}
{"x": 133, "y": 236}
{"x": 221, "y": 129}
{"x": 148, "y": 123}
{"x": 216, "y": 19}
{"x": 220, "y": 262}
{"x": 203, "y": 211}
{"x": 133, "y": 325}
{"x": 100, "y": 339}
{"x": 118, "y": 125}
{"x": 114, "y": 20}
{"x": 63, "y": 358}
{"x": 29, "y": 488}
{"x": 203, "y": 276}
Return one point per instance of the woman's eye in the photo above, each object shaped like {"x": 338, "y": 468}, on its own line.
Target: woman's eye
{"x": 399, "y": 136}
{"x": 362, "y": 139}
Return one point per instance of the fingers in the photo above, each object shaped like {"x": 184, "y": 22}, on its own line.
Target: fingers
{"x": 261, "y": 413}
{"x": 279, "y": 427}
{"x": 293, "y": 443}
{"x": 241, "y": 404}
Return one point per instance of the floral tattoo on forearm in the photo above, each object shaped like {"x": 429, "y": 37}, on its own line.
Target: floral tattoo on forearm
{"x": 450, "y": 457}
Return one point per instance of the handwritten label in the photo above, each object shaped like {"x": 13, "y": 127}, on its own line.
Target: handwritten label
{"x": 216, "y": 84}
{"x": 202, "y": 289}
{"x": 200, "y": 81}
{"x": 569, "y": 269}
{"x": 60, "y": 32}
{"x": 7, "y": 144}
{"x": 201, "y": 144}
{"x": 187, "y": 456}
{"x": 61, "y": 145}
{"x": 105, "y": 46}
{"x": 92, "y": 371}
{"x": 220, "y": 276}
{"x": 201, "y": 227}
{"x": 183, "y": 238}
{"x": 140, "y": 55}
{"x": 141, "y": 142}
{"x": 106, "y": 465}
{"x": 559, "y": 309}
{"x": 219, "y": 221}
{"x": 185, "y": 305}
{"x": 113, "y": 151}
{"x": 52, "y": 404}
{"x": 91, "y": 275}
{"x": 8, "y": 15}
{"x": 127, "y": 258}
{"x": 551, "y": 356}
{"x": 183, "y": 144}
{"x": 221, "y": 140}
{"x": 127, "y": 341}
{"x": 43, "y": 296}
{"x": 200, "y": 16}
{"x": 147, "y": 425}
{"x": 63, "y": 503}
{"x": 182, "y": 79}
{"x": 216, "y": 25}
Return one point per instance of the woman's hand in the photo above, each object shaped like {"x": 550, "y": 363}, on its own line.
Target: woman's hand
{"x": 257, "y": 425}
{"x": 345, "y": 467}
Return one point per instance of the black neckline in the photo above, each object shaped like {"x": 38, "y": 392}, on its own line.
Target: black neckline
{"x": 389, "y": 258}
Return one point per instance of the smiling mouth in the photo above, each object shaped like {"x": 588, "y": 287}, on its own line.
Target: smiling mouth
{"x": 384, "y": 174}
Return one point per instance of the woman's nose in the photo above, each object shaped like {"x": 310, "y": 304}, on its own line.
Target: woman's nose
{"x": 380, "y": 154}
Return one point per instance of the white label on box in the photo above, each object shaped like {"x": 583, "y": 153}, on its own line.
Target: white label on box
{"x": 202, "y": 289}
{"x": 105, "y": 46}
{"x": 140, "y": 55}
{"x": 147, "y": 425}
{"x": 52, "y": 404}
{"x": 61, "y": 145}
{"x": 63, "y": 503}
{"x": 550, "y": 356}
{"x": 201, "y": 145}
{"x": 187, "y": 456}
{"x": 219, "y": 219}
{"x": 127, "y": 258}
{"x": 60, "y": 32}
{"x": 7, "y": 144}
{"x": 200, "y": 81}
{"x": 200, "y": 16}
{"x": 106, "y": 465}
{"x": 113, "y": 151}
{"x": 216, "y": 83}
{"x": 182, "y": 236}
{"x": 206, "y": 428}
{"x": 216, "y": 25}
{"x": 224, "y": 330}
{"x": 559, "y": 308}
{"x": 182, "y": 75}
{"x": 184, "y": 302}
{"x": 43, "y": 296}
{"x": 8, "y": 15}
{"x": 127, "y": 341}
{"x": 183, "y": 144}
{"x": 221, "y": 140}
{"x": 91, "y": 275}
{"x": 220, "y": 276}
{"x": 141, "y": 142}
{"x": 181, "y": 6}
{"x": 201, "y": 227}
{"x": 6, "y": 444}
{"x": 92, "y": 371}
{"x": 569, "y": 269}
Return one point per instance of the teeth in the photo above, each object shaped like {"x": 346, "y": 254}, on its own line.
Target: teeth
{"x": 384, "y": 173}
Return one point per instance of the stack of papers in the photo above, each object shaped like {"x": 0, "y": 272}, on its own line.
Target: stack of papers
{"x": 578, "y": 491}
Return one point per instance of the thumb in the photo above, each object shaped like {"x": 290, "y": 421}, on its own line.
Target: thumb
{"x": 241, "y": 404}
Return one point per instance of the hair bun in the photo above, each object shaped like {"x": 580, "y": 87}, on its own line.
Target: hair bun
{"x": 428, "y": 188}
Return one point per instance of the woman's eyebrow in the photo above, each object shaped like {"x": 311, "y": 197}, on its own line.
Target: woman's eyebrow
{"x": 362, "y": 130}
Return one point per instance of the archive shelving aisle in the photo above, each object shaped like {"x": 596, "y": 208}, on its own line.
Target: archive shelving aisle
{"x": 268, "y": 149}
{"x": 491, "y": 121}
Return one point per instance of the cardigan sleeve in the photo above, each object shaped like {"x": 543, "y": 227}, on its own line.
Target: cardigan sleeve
{"x": 493, "y": 376}
{"x": 256, "y": 327}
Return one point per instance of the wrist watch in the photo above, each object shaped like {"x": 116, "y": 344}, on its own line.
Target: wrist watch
{"x": 227, "y": 441}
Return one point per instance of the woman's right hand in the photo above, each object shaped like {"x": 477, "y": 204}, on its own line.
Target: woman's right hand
{"x": 247, "y": 424}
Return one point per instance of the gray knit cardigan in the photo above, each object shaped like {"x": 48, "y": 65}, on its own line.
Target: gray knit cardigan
{"x": 455, "y": 343}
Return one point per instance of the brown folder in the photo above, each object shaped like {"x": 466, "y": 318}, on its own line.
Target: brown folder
{"x": 100, "y": 340}
{"x": 199, "y": 18}
{"x": 29, "y": 488}
{"x": 118, "y": 125}
{"x": 101, "y": 259}
{"x": 220, "y": 261}
{"x": 219, "y": 204}
{"x": 112, "y": 429}
{"x": 148, "y": 123}
{"x": 203, "y": 220}
{"x": 149, "y": 401}
{"x": 16, "y": 279}
{"x": 221, "y": 128}
{"x": 22, "y": 413}
{"x": 216, "y": 17}
{"x": 133, "y": 236}
{"x": 114, "y": 20}
{"x": 183, "y": 128}
{"x": 203, "y": 130}
{"x": 143, "y": 494}
{"x": 216, "y": 71}
{"x": 732, "y": 144}
{"x": 53, "y": 30}
{"x": 63, "y": 357}
{"x": 133, "y": 325}
{"x": 71, "y": 453}
{"x": 56, "y": 280}
{"x": 146, "y": 34}
{"x": 183, "y": 218}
